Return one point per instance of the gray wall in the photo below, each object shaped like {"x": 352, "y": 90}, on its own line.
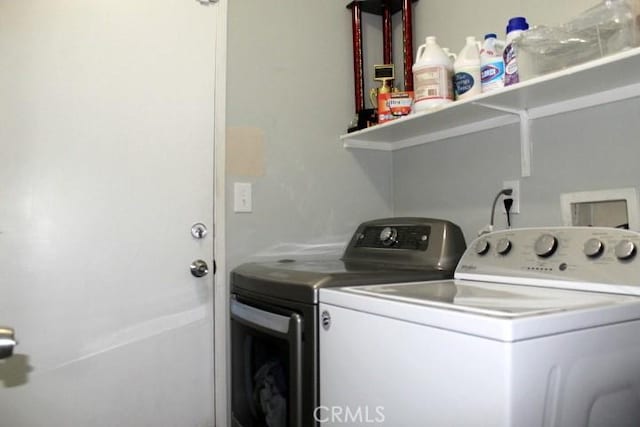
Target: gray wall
{"x": 593, "y": 149}
{"x": 451, "y": 20}
{"x": 290, "y": 79}
{"x": 457, "y": 178}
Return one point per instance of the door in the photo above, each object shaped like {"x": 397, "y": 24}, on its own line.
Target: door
{"x": 106, "y": 162}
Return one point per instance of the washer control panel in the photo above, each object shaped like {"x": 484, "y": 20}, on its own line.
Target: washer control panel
{"x": 576, "y": 254}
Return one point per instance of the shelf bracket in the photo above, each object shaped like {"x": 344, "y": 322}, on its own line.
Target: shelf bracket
{"x": 525, "y": 136}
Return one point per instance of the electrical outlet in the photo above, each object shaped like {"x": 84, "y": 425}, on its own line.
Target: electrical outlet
{"x": 515, "y": 186}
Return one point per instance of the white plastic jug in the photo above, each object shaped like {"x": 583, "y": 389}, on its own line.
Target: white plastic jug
{"x": 452, "y": 56}
{"x": 491, "y": 63}
{"x": 432, "y": 73}
{"x": 466, "y": 70}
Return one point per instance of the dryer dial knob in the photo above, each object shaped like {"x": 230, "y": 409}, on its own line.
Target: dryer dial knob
{"x": 546, "y": 245}
{"x": 388, "y": 236}
{"x": 626, "y": 249}
{"x": 504, "y": 246}
{"x": 593, "y": 248}
{"x": 482, "y": 246}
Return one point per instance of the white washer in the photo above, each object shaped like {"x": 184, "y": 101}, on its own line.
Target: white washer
{"x": 539, "y": 327}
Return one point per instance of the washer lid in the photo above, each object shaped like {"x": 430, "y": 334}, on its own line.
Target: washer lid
{"x": 493, "y": 310}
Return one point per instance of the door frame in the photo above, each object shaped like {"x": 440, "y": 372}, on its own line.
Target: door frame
{"x": 220, "y": 291}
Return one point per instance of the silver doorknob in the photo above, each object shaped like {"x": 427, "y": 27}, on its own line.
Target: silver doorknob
{"x": 199, "y": 230}
{"x": 7, "y": 342}
{"x": 199, "y": 268}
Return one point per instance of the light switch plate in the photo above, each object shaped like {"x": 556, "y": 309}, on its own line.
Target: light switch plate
{"x": 242, "y": 197}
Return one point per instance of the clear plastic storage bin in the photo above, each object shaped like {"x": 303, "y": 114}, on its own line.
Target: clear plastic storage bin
{"x": 607, "y": 28}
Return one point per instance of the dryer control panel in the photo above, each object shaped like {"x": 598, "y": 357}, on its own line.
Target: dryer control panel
{"x": 409, "y": 242}
{"x": 395, "y": 237}
{"x": 590, "y": 258}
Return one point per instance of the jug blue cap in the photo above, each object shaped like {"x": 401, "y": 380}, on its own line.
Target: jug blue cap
{"x": 517, "y": 23}
{"x": 490, "y": 36}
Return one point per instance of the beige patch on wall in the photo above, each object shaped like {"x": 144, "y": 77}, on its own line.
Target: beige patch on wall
{"x": 245, "y": 151}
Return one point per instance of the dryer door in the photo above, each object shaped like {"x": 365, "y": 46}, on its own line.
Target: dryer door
{"x": 266, "y": 372}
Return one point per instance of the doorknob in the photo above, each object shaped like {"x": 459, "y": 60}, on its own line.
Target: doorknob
{"x": 199, "y": 268}
{"x": 199, "y": 230}
{"x": 7, "y": 342}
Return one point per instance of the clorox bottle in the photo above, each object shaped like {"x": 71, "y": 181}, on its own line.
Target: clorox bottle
{"x": 466, "y": 70}
{"x": 432, "y": 73}
{"x": 491, "y": 63}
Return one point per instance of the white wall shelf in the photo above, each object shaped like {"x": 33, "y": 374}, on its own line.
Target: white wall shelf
{"x": 609, "y": 79}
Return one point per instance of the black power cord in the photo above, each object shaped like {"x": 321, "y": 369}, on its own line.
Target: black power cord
{"x": 508, "y": 202}
{"x": 504, "y": 191}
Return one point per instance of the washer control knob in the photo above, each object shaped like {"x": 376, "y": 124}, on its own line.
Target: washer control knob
{"x": 625, "y": 249}
{"x": 545, "y": 245}
{"x": 388, "y": 236}
{"x": 482, "y": 246}
{"x": 504, "y": 246}
{"x": 593, "y": 248}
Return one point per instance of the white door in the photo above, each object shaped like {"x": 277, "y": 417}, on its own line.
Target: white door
{"x": 106, "y": 162}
